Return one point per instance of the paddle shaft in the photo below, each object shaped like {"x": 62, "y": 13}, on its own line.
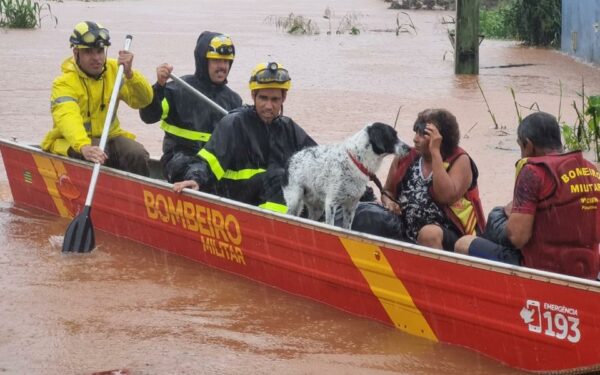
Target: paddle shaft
{"x": 107, "y": 122}
{"x": 198, "y": 93}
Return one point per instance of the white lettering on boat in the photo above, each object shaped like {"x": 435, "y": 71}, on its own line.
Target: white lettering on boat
{"x": 220, "y": 234}
{"x": 561, "y": 309}
{"x": 558, "y": 321}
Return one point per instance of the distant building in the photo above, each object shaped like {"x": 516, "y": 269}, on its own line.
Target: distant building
{"x": 581, "y": 29}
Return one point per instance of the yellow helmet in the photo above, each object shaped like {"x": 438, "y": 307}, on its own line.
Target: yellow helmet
{"x": 221, "y": 47}
{"x": 89, "y": 34}
{"x": 270, "y": 75}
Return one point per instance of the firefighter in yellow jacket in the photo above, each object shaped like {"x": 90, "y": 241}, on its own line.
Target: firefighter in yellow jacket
{"x": 80, "y": 99}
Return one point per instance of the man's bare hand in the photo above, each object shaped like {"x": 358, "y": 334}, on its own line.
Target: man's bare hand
{"x": 126, "y": 59}
{"x": 162, "y": 73}
{"x": 94, "y": 154}
{"x": 189, "y": 184}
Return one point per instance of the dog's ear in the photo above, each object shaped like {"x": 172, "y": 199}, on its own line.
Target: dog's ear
{"x": 382, "y": 137}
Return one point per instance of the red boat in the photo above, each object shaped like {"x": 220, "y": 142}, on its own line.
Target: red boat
{"x": 528, "y": 319}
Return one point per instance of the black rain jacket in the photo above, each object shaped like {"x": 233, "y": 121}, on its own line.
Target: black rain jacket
{"x": 188, "y": 122}
{"x": 245, "y": 158}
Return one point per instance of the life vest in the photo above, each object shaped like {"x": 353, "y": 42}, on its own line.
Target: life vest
{"x": 466, "y": 213}
{"x": 566, "y": 230}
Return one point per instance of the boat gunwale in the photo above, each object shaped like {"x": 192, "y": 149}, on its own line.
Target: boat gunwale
{"x": 389, "y": 244}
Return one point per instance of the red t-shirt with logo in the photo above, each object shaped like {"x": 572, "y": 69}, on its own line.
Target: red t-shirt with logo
{"x": 533, "y": 184}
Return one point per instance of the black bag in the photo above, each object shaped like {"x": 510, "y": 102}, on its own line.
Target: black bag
{"x": 495, "y": 228}
{"x": 373, "y": 218}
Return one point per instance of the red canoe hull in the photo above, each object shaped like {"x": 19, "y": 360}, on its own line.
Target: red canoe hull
{"x": 527, "y": 319}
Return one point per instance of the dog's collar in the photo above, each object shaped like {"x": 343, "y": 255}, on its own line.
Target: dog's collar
{"x": 371, "y": 176}
{"x": 360, "y": 166}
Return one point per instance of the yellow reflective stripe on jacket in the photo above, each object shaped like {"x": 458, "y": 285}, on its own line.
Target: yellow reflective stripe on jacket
{"x": 63, "y": 99}
{"x": 165, "y": 108}
{"x": 213, "y": 163}
{"x": 243, "y": 174}
{"x": 272, "y": 206}
{"x": 192, "y": 135}
{"x": 219, "y": 172}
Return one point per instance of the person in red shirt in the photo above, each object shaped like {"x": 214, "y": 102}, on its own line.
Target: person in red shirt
{"x": 553, "y": 221}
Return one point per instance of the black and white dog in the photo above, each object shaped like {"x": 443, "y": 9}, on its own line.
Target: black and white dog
{"x": 325, "y": 178}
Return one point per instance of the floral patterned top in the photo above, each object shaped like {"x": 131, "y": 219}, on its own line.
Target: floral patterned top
{"x": 418, "y": 207}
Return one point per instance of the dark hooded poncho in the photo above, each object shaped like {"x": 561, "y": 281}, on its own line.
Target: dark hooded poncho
{"x": 187, "y": 121}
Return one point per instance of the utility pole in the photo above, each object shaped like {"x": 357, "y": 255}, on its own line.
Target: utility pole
{"x": 466, "y": 46}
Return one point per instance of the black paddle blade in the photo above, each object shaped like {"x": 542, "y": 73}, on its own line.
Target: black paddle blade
{"x": 80, "y": 233}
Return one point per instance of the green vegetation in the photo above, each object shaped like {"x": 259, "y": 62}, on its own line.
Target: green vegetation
{"x": 536, "y": 22}
{"x": 297, "y": 24}
{"x": 585, "y": 133}
{"x": 294, "y": 24}
{"x": 499, "y": 23}
{"x": 25, "y": 14}
{"x": 350, "y": 24}
{"x": 422, "y": 4}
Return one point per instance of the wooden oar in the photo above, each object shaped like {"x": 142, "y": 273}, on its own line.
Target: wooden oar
{"x": 197, "y": 93}
{"x": 80, "y": 233}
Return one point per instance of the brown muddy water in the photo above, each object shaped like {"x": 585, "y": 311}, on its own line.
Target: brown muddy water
{"x": 127, "y": 306}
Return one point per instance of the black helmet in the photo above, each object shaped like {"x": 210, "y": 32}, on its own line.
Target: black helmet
{"x": 89, "y": 34}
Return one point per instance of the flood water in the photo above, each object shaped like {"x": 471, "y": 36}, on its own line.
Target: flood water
{"x": 127, "y": 306}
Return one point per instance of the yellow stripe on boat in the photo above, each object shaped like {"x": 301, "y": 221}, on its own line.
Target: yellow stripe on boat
{"x": 386, "y": 286}
{"x": 51, "y": 171}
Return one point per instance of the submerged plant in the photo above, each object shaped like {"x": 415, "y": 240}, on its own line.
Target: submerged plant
{"x": 585, "y": 133}
{"x": 403, "y": 26}
{"x": 26, "y": 14}
{"x": 534, "y": 106}
{"x": 327, "y": 15}
{"x": 593, "y": 113}
{"x": 496, "y": 126}
{"x": 294, "y": 24}
{"x": 297, "y": 24}
{"x": 350, "y": 24}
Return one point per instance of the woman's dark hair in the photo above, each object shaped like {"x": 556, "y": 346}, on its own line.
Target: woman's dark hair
{"x": 542, "y": 130}
{"x": 446, "y": 124}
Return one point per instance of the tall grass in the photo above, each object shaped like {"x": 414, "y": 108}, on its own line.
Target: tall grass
{"x": 24, "y": 14}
